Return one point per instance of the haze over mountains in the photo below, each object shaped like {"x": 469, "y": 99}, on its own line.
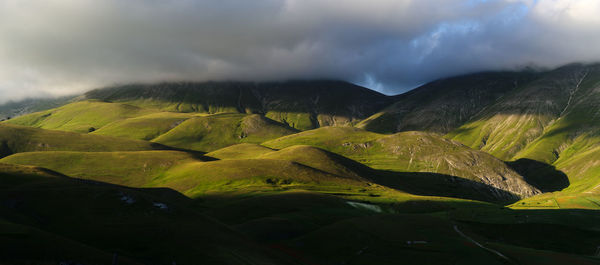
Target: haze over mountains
{"x": 495, "y": 167}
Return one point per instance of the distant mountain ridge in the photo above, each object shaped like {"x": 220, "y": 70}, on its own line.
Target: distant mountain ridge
{"x": 299, "y": 104}
{"x": 13, "y": 109}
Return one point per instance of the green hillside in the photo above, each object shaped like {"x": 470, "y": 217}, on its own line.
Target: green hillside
{"x": 412, "y": 152}
{"x": 80, "y": 116}
{"x": 240, "y": 151}
{"x": 532, "y": 120}
{"x": 146, "y": 127}
{"x": 17, "y": 139}
{"x": 200, "y": 132}
{"x": 212, "y": 132}
{"x": 136, "y": 169}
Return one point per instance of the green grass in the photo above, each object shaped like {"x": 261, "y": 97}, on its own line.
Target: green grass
{"x": 240, "y": 151}
{"x": 136, "y": 169}
{"x": 80, "y": 116}
{"x": 239, "y": 175}
{"x": 16, "y": 139}
{"x": 502, "y": 135}
{"x": 146, "y": 127}
{"x": 321, "y": 160}
{"x": 209, "y": 133}
{"x": 411, "y": 152}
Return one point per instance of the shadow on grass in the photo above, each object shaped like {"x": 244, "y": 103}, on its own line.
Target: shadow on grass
{"x": 540, "y": 175}
{"x": 433, "y": 184}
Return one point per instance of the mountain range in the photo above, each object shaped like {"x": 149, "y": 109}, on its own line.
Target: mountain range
{"x": 484, "y": 168}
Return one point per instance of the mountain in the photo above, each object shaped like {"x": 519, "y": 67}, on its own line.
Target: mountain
{"x": 544, "y": 123}
{"x": 444, "y": 105}
{"x": 299, "y": 104}
{"x": 13, "y": 109}
{"x": 309, "y": 172}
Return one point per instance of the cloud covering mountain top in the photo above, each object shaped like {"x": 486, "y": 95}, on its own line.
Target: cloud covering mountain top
{"x": 57, "y": 47}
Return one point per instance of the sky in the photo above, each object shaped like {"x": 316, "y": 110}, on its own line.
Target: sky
{"x": 61, "y": 47}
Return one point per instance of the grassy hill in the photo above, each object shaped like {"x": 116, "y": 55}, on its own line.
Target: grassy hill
{"x": 136, "y": 169}
{"x": 411, "y": 152}
{"x": 80, "y": 116}
{"x": 17, "y": 139}
{"x": 212, "y": 132}
{"x": 145, "y": 127}
{"x": 200, "y": 132}
{"x": 240, "y": 151}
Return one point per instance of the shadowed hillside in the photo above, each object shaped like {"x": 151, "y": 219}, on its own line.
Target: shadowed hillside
{"x": 299, "y": 104}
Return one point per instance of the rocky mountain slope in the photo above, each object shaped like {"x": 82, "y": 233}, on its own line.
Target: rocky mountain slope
{"x": 443, "y": 105}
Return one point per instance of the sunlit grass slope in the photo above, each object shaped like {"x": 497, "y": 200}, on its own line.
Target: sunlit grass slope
{"x": 212, "y": 132}
{"x": 249, "y": 175}
{"x": 146, "y": 127}
{"x": 16, "y": 139}
{"x": 321, "y": 160}
{"x": 539, "y": 119}
{"x": 190, "y": 175}
{"x": 136, "y": 169}
{"x": 553, "y": 120}
{"x": 240, "y": 151}
{"x": 201, "y": 132}
{"x": 80, "y": 116}
{"x": 411, "y": 152}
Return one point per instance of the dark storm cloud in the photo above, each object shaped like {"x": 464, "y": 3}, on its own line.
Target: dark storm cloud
{"x": 56, "y": 47}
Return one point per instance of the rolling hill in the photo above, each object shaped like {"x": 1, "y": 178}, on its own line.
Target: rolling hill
{"x": 17, "y": 139}
{"x": 199, "y": 132}
{"x": 212, "y": 132}
{"x": 412, "y": 152}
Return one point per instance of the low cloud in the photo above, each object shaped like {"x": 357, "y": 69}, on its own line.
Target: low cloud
{"x": 58, "y": 47}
